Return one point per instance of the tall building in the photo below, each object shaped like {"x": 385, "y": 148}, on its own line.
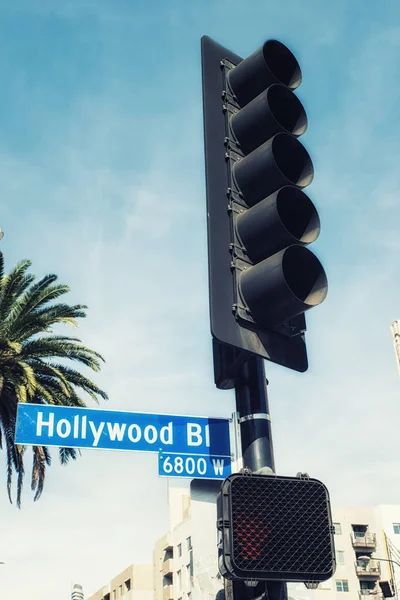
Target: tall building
{"x": 184, "y": 559}
{"x": 134, "y": 583}
{"x": 173, "y": 553}
{"x": 367, "y": 543}
{"x": 77, "y": 592}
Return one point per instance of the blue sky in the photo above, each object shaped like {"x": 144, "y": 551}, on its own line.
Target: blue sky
{"x": 102, "y": 182}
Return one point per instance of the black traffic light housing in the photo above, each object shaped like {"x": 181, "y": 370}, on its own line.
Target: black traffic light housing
{"x": 262, "y": 277}
{"x": 275, "y": 528}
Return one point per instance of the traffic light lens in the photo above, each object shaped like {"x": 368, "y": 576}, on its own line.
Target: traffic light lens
{"x": 304, "y": 275}
{"x": 292, "y": 159}
{"x": 282, "y": 64}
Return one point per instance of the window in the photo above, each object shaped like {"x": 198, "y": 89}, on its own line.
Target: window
{"x": 189, "y": 542}
{"x": 179, "y": 576}
{"x": 396, "y": 528}
{"x": 367, "y": 587}
{"x": 340, "y": 557}
{"x": 342, "y": 585}
{"x": 128, "y": 585}
{"x": 359, "y": 530}
{"x": 179, "y": 548}
{"x": 189, "y": 583}
{"x": 338, "y": 528}
{"x": 114, "y": 594}
{"x": 120, "y": 591}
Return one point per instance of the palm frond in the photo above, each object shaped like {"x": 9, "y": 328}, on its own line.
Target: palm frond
{"x": 21, "y": 472}
{"x": 12, "y": 286}
{"x": 29, "y": 377}
{"x": 66, "y": 453}
{"x": 32, "y": 364}
{"x": 50, "y": 348}
{"x": 1, "y": 268}
{"x": 80, "y": 381}
{"x": 38, "y": 471}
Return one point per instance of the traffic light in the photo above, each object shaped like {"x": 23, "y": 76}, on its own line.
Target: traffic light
{"x": 262, "y": 276}
{"x": 275, "y": 528}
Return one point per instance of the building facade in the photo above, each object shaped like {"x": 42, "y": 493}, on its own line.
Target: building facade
{"x": 134, "y": 583}
{"x": 367, "y": 544}
{"x": 173, "y": 553}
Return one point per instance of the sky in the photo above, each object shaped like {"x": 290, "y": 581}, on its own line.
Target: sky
{"x": 102, "y": 183}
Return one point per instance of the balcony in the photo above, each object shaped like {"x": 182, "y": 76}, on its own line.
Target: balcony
{"x": 363, "y": 594}
{"x": 368, "y": 568}
{"x": 167, "y": 543}
{"x": 168, "y": 592}
{"x": 366, "y": 540}
{"x": 167, "y": 567}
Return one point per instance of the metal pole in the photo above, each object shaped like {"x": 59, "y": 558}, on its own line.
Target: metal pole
{"x": 258, "y": 452}
{"x": 254, "y": 419}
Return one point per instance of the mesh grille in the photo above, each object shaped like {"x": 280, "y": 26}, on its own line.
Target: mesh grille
{"x": 280, "y": 525}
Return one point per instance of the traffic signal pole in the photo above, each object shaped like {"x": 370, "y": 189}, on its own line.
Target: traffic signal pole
{"x": 257, "y": 452}
{"x": 262, "y": 279}
{"x": 254, "y": 419}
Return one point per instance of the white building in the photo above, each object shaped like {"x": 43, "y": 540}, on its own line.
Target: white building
{"x": 367, "y": 541}
{"x": 173, "y": 553}
{"x": 133, "y": 583}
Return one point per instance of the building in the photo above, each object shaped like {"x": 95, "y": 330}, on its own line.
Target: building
{"x": 134, "y": 583}
{"x": 77, "y": 592}
{"x": 173, "y": 553}
{"x": 367, "y": 543}
{"x": 184, "y": 559}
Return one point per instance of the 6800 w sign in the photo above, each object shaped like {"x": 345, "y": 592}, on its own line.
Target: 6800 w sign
{"x": 194, "y": 466}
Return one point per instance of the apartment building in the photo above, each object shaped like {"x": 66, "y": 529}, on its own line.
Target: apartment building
{"x": 134, "y": 583}
{"x": 184, "y": 559}
{"x": 173, "y": 553}
{"x": 367, "y": 542}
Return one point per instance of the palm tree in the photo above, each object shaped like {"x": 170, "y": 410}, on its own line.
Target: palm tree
{"x": 35, "y": 363}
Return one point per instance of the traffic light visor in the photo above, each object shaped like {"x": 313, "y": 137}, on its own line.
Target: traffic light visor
{"x": 280, "y": 161}
{"x": 272, "y": 63}
{"x": 275, "y": 110}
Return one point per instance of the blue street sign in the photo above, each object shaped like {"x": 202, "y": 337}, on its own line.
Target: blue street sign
{"x": 47, "y": 425}
{"x": 194, "y": 466}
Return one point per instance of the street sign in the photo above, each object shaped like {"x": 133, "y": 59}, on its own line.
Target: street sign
{"x": 194, "y": 466}
{"x": 46, "y": 425}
